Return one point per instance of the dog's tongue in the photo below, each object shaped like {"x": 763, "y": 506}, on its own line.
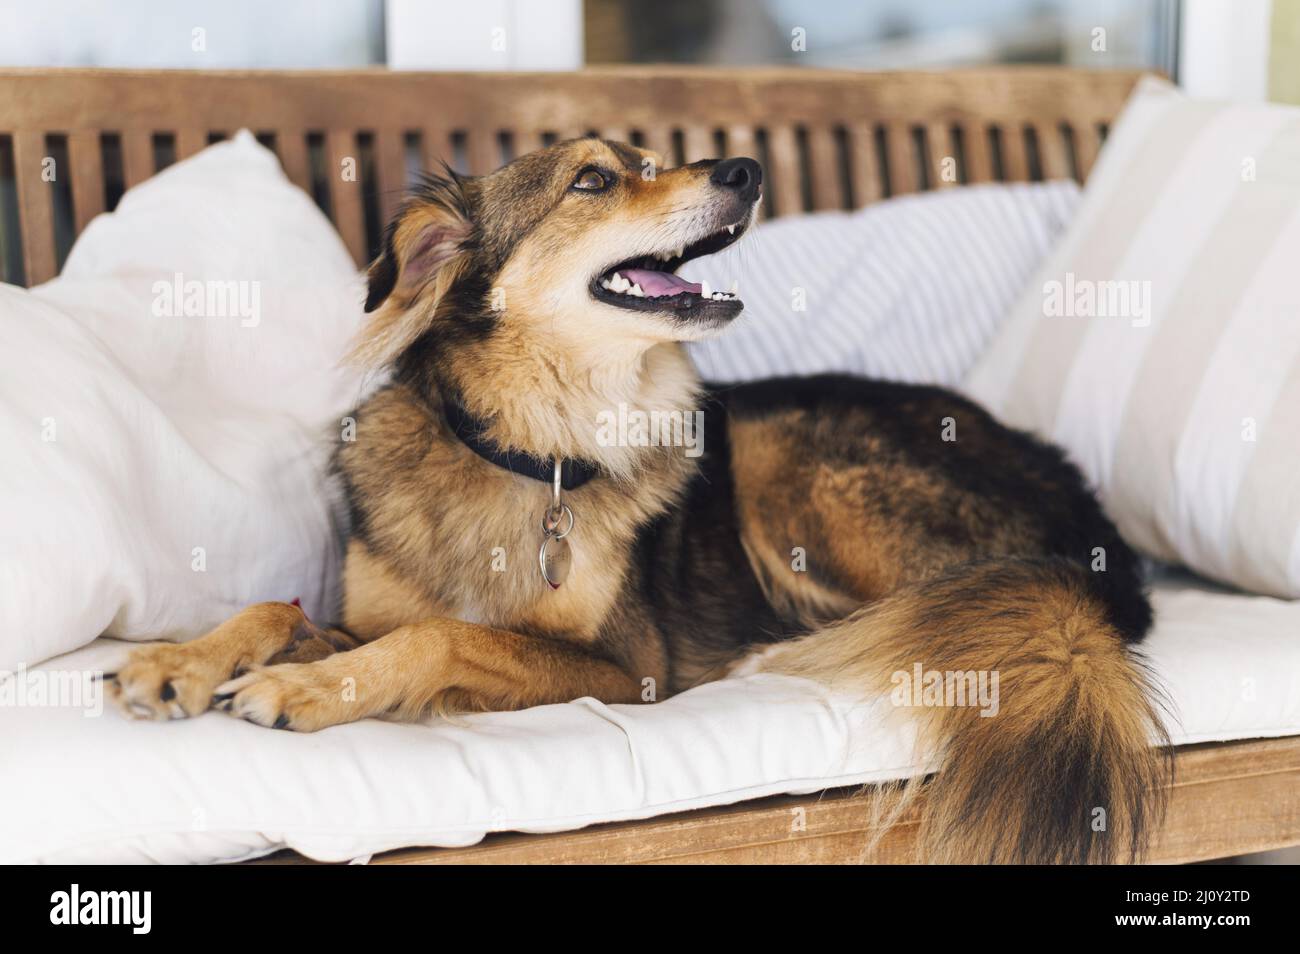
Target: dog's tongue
{"x": 655, "y": 284}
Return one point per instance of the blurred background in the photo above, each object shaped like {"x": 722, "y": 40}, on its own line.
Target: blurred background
{"x": 1244, "y": 49}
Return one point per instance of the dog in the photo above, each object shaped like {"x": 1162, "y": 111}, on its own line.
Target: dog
{"x": 504, "y": 553}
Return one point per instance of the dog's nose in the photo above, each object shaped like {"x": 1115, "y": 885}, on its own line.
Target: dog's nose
{"x": 742, "y": 175}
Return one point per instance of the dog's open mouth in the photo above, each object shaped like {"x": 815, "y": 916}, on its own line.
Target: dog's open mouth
{"x": 650, "y": 282}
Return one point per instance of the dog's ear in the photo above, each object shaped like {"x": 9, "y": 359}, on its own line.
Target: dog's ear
{"x": 423, "y": 252}
{"x": 382, "y": 275}
{"x": 423, "y": 237}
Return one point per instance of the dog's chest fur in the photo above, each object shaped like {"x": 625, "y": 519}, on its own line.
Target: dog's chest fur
{"x": 438, "y": 531}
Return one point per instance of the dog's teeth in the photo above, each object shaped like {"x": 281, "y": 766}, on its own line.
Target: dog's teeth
{"x": 705, "y": 291}
{"x": 636, "y": 290}
{"x": 607, "y": 284}
{"x": 731, "y": 229}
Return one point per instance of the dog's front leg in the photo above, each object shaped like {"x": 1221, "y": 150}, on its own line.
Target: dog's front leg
{"x": 437, "y": 664}
{"x": 175, "y": 680}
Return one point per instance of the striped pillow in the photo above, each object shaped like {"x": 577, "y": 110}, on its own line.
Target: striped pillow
{"x": 911, "y": 289}
{"x": 1160, "y": 343}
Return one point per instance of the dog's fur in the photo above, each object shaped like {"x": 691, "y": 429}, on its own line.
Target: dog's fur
{"x": 828, "y": 519}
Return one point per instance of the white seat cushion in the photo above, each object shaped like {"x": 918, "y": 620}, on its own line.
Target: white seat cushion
{"x": 79, "y": 789}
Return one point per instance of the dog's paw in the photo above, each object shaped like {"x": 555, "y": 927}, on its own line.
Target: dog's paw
{"x": 166, "y": 681}
{"x": 302, "y": 697}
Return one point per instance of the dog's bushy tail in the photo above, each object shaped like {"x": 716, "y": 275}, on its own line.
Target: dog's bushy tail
{"x": 1071, "y": 767}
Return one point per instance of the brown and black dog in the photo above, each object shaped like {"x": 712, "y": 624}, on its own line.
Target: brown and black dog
{"x": 852, "y": 529}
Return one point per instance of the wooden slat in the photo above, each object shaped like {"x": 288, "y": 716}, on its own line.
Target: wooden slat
{"x": 390, "y": 170}
{"x": 189, "y": 140}
{"x": 977, "y": 153}
{"x": 527, "y": 140}
{"x": 1227, "y": 799}
{"x": 1052, "y": 153}
{"x": 1087, "y": 143}
{"x": 941, "y": 156}
{"x": 900, "y": 148}
{"x": 1015, "y": 153}
{"x": 484, "y": 151}
{"x": 864, "y": 165}
{"x": 345, "y": 195}
{"x": 291, "y": 146}
{"x": 660, "y": 139}
{"x": 783, "y": 168}
{"x": 435, "y": 148}
{"x": 137, "y": 156}
{"x": 824, "y": 169}
{"x": 35, "y": 213}
{"x": 697, "y": 141}
{"x": 86, "y": 155}
{"x": 741, "y": 142}
{"x": 616, "y": 133}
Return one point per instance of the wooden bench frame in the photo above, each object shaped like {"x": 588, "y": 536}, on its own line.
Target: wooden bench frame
{"x": 828, "y": 139}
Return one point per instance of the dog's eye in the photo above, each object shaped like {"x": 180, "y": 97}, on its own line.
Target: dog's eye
{"x": 590, "y": 180}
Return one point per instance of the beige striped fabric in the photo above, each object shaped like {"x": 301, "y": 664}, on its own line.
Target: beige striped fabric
{"x": 1160, "y": 343}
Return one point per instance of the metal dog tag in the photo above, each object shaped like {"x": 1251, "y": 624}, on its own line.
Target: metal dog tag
{"x": 555, "y": 557}
{"x": 555, "y": 560}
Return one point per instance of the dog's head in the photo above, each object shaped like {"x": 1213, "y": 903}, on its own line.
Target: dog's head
{"x": 580, "y": 242}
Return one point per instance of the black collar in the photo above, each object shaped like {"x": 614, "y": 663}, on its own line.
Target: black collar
{"x": 470, "y": 430}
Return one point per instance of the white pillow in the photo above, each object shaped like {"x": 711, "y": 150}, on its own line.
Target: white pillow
{"x": 162, "y": 471}
{"x": 911, "y": 289}
{"x": 1182, "y": 404}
